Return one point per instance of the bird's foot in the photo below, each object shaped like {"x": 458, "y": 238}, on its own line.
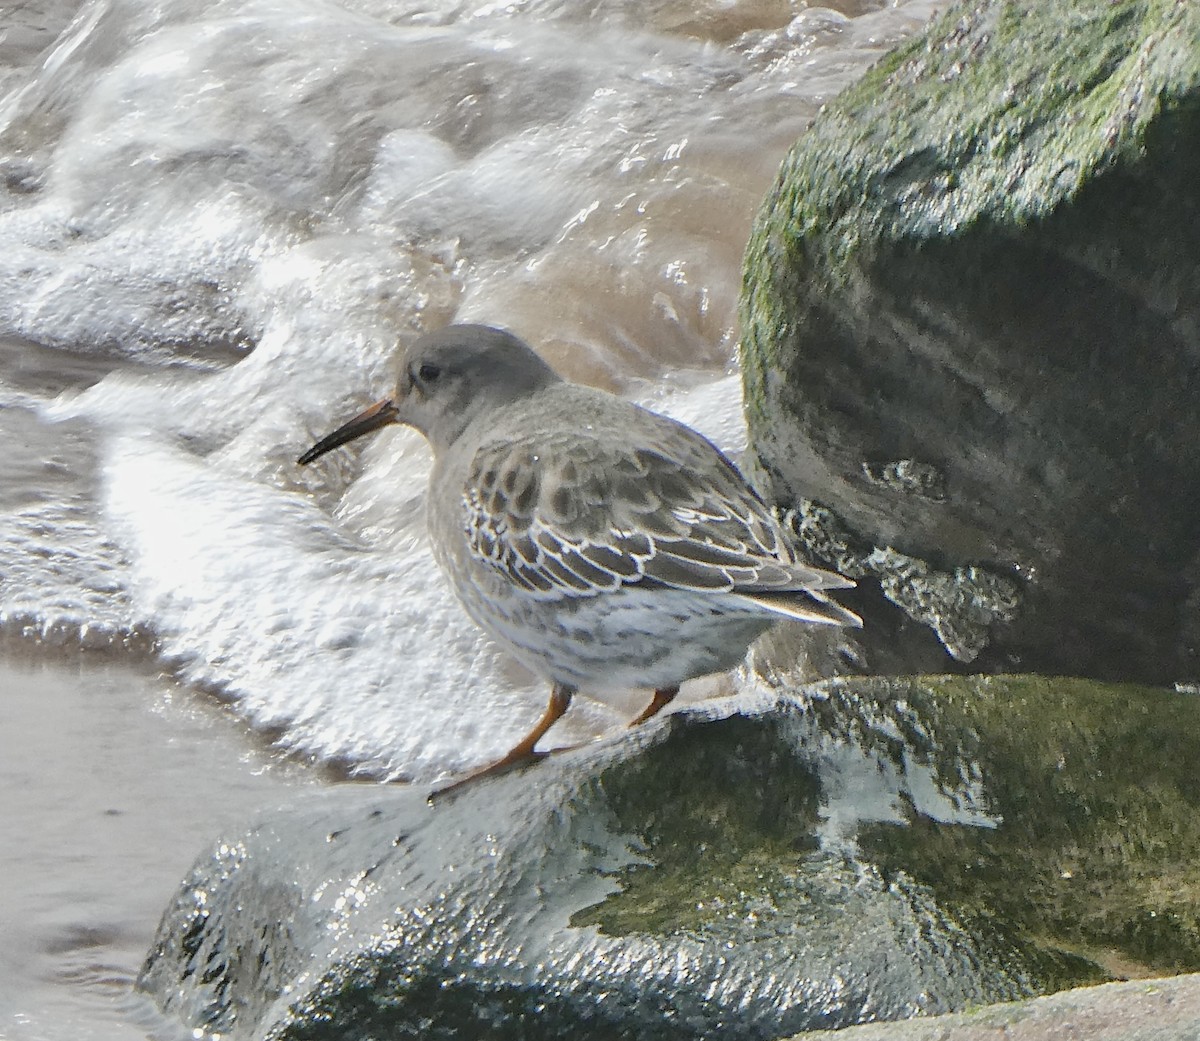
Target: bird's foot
{"x": 500, "y": 766}
{"x": 662, "y": 698}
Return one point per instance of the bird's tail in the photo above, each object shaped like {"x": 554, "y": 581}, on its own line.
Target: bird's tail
{"x": 804, "y": 605}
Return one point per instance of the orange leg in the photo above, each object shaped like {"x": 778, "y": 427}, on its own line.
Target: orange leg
{"x": 560, "y": 698}
{"x": 662, "y": 698}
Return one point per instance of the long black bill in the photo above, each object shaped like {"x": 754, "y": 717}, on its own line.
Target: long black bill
{"x": 378, "y": 415}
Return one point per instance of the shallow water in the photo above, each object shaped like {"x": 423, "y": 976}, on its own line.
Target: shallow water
{"x": 112, "y": 777}
{"x": 218, "y": 225}
{"x": 318, "y": 184}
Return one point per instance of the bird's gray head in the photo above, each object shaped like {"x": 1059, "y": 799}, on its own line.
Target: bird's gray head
{"x": 448, "y": 379}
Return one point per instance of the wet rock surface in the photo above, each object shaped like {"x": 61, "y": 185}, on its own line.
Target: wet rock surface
{"x": 970, "y": 323}
{"x": 1144, "y": 1010}
{"x": 827, "y": 856}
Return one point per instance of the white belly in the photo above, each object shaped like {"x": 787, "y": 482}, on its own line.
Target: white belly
{"x": 636, "y": 638}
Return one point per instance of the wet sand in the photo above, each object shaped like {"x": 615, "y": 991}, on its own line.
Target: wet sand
{"x": 112, "y": 781}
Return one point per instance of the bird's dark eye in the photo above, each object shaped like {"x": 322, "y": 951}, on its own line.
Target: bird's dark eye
{"x": 427, "y": 372}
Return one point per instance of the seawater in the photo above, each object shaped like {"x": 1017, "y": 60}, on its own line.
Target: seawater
{"x": 240, "y": 215}
{"x": 221, "y": 222}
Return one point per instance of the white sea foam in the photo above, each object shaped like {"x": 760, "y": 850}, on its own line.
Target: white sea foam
{"x": 320, "y": 182}
{"x": 351, "y": 652}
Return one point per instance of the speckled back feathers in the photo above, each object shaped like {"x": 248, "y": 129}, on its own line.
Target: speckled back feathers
{"x": 568, "y": 492}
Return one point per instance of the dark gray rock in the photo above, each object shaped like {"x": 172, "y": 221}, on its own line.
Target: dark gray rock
{"x": 971, "y": 332}
{"x": 860, "y": 850}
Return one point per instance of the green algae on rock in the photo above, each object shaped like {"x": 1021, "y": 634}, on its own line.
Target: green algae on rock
{"x": 860, "y": 849}
{"x": 970, "y": 323}
{"x": 1099, "y": 799}
{"x": 1064, "y": 840}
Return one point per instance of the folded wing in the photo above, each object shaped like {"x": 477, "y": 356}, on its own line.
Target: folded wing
{"x": 574, "y": 517}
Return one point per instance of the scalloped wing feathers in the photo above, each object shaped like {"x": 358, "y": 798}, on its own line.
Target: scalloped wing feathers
{"x": 568, "y": 516}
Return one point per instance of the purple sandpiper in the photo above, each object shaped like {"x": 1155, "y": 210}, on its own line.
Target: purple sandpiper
{"x": 605, "y": 546}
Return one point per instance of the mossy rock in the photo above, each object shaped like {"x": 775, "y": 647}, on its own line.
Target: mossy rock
{"x": 863, "y": 849}
{"x": 971, "y": 328}
{"x": 1096, "y": 798}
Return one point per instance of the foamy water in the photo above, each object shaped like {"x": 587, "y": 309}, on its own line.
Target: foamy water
{"x": 319, "y": 182}
{"x": 219, "y": 224}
